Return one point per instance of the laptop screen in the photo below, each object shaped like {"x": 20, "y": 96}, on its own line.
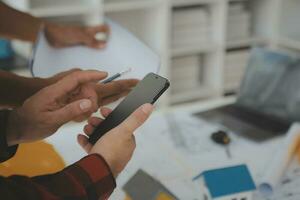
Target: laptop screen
{"x": 271, "y": 84}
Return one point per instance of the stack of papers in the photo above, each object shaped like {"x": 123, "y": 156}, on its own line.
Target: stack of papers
{"x": 238, "y": 22}
{"x": 190, "y": 27}
{"x": 235, "y": 66}
{"x": 185, "y": 73}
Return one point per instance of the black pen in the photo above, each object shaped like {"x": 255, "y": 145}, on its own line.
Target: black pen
{"x": 114, "y": 77}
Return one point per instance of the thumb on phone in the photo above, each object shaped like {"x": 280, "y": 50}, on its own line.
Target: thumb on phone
{"x": 136, "y": 119}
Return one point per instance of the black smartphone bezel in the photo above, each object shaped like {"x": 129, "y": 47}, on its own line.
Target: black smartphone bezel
{"x": 93, "y": 139}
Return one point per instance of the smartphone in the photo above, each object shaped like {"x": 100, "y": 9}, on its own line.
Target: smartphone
{"x": 148, "y": 90}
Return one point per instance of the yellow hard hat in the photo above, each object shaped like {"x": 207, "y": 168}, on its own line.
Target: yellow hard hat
{"x": 33, "y": 159}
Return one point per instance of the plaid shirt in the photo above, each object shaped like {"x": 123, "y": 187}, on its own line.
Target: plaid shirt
{"x": 90, "y": 178}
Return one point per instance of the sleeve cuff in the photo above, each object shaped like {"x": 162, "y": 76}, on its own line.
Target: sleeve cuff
{"x": 95, "y": 175}
{"x": 6, "y": 152}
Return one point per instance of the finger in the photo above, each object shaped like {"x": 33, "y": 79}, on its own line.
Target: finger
{"x": 95, "y": 44}
{"x": 105, "y": 111}
{"x": 71, "y": 71}
{"x": 83, "y": 117}
{"x": 136, "y": 119}
{"x": 72, "y": 111}
{"x": 97, "y": 36}
{"x": 97, "y": 29}
{"x": 134, "y": 140}
{"x": 114, "y": 98}
{"x": 115, "y": 87}
{"x": 94, "y": 99}
{"x": 87, "y": 91}
{"x": 94, "y": 121}
{"x": 64, "y": 73}
{"x": 88, "y": 129}
{"x": 84, "y": 143}
{"x": 70, "y": 82}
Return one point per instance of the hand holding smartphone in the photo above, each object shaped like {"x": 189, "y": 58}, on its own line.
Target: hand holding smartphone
{"x": 147, "y": 91}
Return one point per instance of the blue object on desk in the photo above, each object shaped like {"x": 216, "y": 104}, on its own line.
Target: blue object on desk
{"x": 5, "y": 49}
{"x": 227, "y": 181}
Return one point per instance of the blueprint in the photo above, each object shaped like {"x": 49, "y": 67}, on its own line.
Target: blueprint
{"x": 174, "y": 147}
{"x": 289, "y": 189}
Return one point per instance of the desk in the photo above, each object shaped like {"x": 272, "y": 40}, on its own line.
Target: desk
{"x": 175, "y": 158}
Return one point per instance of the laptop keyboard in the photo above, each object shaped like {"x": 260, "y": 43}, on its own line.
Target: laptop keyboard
{"x": 266, "y": 122}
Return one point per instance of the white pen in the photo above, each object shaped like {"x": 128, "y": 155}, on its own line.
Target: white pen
{"x": 112, "y": 78}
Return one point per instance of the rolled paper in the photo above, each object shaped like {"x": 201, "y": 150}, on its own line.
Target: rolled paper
{"x": 280, "y": 161}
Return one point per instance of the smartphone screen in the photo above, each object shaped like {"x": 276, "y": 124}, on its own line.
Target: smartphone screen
{"x": 147, "y": 91}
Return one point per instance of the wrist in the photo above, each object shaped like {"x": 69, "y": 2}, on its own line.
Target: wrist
{"x": 32, "y": 86}
{"x": 95, "y": 172}
{"x": 108, "y": 163}
{"x": 26, "y": 87}
{"x": 40, "y": 83}
{"x": 50, "y": 31}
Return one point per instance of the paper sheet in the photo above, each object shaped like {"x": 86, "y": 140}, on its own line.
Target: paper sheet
{"x": 124, "y": 51}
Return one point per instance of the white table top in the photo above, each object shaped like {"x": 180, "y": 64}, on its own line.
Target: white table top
{"x": 175, "y": 158}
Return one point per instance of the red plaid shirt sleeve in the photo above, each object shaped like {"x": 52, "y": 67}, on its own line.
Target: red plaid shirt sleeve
{"x": 88, "y": 179}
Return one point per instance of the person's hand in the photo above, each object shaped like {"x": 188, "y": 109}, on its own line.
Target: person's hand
{"x": 65, "y": 35}
{"x": 57, "y": 77}
{"x": 107, "y": 93}
{"x": 42, "y": 114}
{"x": 110, "y": 92}
{"x": 116, "y": 146}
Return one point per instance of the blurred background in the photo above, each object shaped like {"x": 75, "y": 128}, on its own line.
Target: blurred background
{"x": 204, "y": 44}
{"x": 204, "y": 47}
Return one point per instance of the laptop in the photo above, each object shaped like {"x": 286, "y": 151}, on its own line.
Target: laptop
{"x": 268, "y": 100}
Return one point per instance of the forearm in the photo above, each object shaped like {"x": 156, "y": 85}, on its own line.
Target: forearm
{"x": 88, "y": 179}
{"x": 18, "y": 25}
{"x": 14, "y": 89}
